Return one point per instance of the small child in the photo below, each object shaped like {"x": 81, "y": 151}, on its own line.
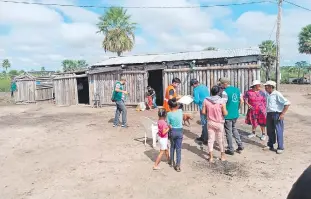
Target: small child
{"x": 163, "y": 134}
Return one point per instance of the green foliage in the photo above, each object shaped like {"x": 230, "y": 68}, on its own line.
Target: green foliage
{"x": 6, "y": 64}
{"x": 304, "y": 38}
{"x": 73, "y": 65}
{"x": 210, "y": 48}
{"x": 5, "y": 79}
{"x": 42, "y": 68}
{"x": 118, "y": 29}
{"x": 268, "y": 51}
{"x": 5, "y": 84}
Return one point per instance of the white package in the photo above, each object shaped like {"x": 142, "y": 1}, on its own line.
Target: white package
{"x": 187, "y": 99}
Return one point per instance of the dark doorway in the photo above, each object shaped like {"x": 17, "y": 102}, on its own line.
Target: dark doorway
{"x": 83, "y": 90}
{"x": 155, "y": 81}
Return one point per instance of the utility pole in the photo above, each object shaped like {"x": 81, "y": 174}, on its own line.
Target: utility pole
{"x": 278, "y": 54}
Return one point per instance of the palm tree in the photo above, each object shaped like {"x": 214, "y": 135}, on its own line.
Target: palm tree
{"x": 268, "y": 51}
{"x": 304, "y": 42}
{"x": 6, "y": 64}
{"x": 304, "y": 38}
{"x": 118, "y": 29}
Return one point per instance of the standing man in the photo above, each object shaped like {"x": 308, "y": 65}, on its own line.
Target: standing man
{"x": 118, "y": 96}
{"x": 277, "y": 106}
{"x": 13, "y": 88}
{"x": 200, "y": 92}
{"x": 234, "y": 100}
{"x": 171, "y": 93}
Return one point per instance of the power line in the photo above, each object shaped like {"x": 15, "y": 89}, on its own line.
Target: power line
{"x": 299, "y": 6}
{"x": 273, "y": 29}
{"x": 137, "y": 7}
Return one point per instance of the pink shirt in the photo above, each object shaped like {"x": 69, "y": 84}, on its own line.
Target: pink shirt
{"x": 162, "y": 125}
{"x": 214, "y": 112}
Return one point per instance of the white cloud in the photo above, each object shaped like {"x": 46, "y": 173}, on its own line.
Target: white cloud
{"x": 40, "y": 36}
{"x": 261, "y": 28}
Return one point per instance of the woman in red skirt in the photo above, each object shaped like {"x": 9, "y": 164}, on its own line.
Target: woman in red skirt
{"x": 255, "y": 98}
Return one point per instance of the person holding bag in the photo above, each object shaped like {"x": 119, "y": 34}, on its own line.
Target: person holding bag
{"x": 118, "y": 96}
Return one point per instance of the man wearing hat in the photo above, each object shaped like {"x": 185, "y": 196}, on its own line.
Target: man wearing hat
{"x": 277, "y": 106}
{"x": 118, "y": 96}
{"x": 200, "y": 92}
{"x": 234, "y": 100}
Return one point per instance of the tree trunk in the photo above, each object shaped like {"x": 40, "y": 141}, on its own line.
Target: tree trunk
{"x": 119, "y": 54}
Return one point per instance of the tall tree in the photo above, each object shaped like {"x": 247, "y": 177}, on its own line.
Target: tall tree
{"x": 118, "y": 29}
{"x": 73, "y": 65}
{"x": 304, "y": 43}
{"x": 268, "y": 55}
{"x": 6, "y": 64}
{"x": 42, "y": 68}
{"x": 304, "y": 38}
{"x": 211, "y": 48}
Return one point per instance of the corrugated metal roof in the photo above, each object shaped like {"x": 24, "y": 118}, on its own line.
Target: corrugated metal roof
{"x": 139, "y": 59}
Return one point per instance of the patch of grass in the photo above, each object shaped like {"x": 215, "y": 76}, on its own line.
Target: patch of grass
{"x": 5, "y": 84}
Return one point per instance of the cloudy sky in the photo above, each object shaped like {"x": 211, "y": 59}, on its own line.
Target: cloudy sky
{"x": 32, "y": 36}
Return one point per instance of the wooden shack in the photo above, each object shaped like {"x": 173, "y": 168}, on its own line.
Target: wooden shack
{"x": 31, "y": 89}
{"x": 71, "y": 88}
{"x": 242, "y": 66}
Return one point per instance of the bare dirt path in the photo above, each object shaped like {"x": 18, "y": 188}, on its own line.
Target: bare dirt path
{"x": 73, "y": 152}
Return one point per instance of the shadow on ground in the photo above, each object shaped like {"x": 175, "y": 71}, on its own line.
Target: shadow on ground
{"x": 245, "y": 139}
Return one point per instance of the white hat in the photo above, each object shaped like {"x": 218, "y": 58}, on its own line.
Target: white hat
{"x": 255, "y": 82}
{"x": 270, "y": 83}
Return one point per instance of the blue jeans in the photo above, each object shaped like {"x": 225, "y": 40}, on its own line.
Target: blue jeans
{"x": 275, "y": 130}
{"x": 154, "y": 102}
{"x": 120, "y": 108}
{"x": 204, "y": 134}
{"x": 176, "y": 144}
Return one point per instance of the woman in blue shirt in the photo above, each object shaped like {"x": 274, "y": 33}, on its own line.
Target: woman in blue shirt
{"x": 174, "y": 120}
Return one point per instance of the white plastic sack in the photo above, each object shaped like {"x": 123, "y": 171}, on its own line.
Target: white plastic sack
{"x": 187, "y": 99}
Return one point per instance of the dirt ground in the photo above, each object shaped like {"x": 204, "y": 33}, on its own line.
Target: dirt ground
{"x": 75, "y": 153}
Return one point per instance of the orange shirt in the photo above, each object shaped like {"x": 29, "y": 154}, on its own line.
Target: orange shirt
{"x": 167, "y": 97}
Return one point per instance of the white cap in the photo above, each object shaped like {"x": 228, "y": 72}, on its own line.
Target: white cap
{"x": 255, "y": 82}
{"x": 270, "y": 83}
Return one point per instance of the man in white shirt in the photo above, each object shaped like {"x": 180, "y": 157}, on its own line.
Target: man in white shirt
{"x": 277, "y": 106}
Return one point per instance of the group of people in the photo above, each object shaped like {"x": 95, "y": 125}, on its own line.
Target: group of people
{"x": 219, "y": 112}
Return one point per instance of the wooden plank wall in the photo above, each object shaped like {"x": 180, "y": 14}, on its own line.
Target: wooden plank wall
{"x": 241, "y": 76}
{"x": 66, "y": 92}
{"x": 44, "y": 89}
{"x": 25, "y": 91}
{"x": 44, "y": 94}
{"x": 103, "y": 83}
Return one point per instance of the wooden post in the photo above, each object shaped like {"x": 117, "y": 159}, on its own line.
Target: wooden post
{"x": 278, "y": 54}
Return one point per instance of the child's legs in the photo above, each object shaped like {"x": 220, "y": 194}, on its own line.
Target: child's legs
{"x": 211, "y": 138}
{"x": 172, "y": 149}
{"x": 167, "y": 155}
{"x": 158, "y": 160}
{"x": 178, "y": 145}
{"x": 220, "y": 137}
